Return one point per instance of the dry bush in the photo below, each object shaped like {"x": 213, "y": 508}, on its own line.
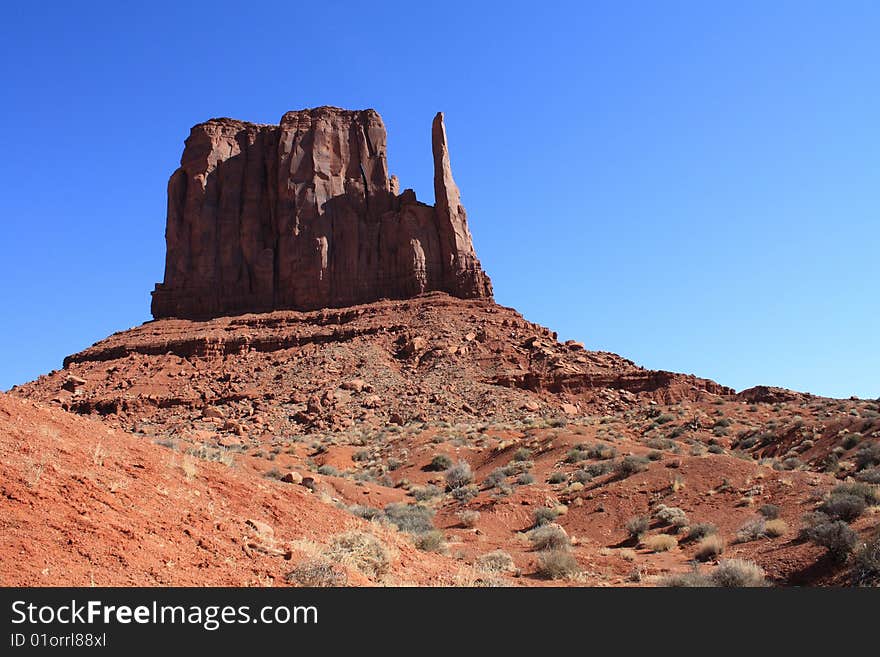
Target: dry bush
{"x": 660, "y": 543}
{"x": 557, "y": 564}
{"x": 709, "y": 548}
{"x": 497, "y": 561}
{"x": 468, "y": 518}
{"x": 701, "y": 530}
{"x": 549, "y": 537}
{"x": 459, "y": 475}
{"x": 753, "y": 530}
{"x": 776, "y": 528}
{"x": 361, "y": 551}
{"x": 865, "y": 570}
{"x": 432, "y": 541}
{"x": 317, "y": 573}
{"x": 738, "y": 573}
{"x": 637, "y": 526}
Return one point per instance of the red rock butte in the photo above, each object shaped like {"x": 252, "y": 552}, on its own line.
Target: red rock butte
{"x": 303, "y": 215}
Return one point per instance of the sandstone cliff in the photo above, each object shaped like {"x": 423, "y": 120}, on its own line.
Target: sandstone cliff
{"x": 303, "y": 215}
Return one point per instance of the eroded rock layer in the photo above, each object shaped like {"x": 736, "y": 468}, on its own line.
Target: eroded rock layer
{"x": 303, "y": 215}
{"x": 430, "y": 359}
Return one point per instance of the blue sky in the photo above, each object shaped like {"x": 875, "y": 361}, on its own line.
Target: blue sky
{"x": 693, "y": 185}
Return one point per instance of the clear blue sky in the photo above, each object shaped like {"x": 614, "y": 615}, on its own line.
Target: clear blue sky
{"x": 694, "y": 185}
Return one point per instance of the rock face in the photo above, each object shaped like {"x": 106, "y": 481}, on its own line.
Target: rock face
{"x": 303, "y": 215}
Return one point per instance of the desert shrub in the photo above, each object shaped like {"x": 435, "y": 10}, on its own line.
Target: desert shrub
{"x": 576, "y": 455}
{"x": 630, "y": 465}
{"x": 361, "y": 455}
{"x": 522, "y": 454}
{"x": 692, "y": 579}
{"x": 440, "y": 462}
{"x": 654, "y": 455}
{"x": 716, "y": 449}
{"x": 701, "y": 530}
{"x": 464, "y": 493}
{"x": 868, "y": 456}
{"x": 459, "y": 475}
{"x": 525, "y": 479}
{"x": 843, "y": 506}
{"x": 671, "y": 515}
{"x": 871, "y": 476}
{"x": 660, "y": 543}
{"x": 581, "y": 476}
{"x": 557, "y": 477}
{"x": 497, "y": 561}
{"x": 637, "y": 526}
{"x": 317, "y": 573}
{"x": 517, "y": 467}
{"x": 412, "y": 518}
{"x": 495, "y": 478}
{"x": 431, "y": 541}
{"x": 738, "y": 573}
{"x": 868, "y": 492}
{"x": 365, "y": 512}
{"x": 601, "y": 451}
{"x": 548, "y": 537}
{"x": 545, "y": 515}
{"x": 426, "y": 493}
{"x": 328, "y": 471}
{"x": 776, "y": 528}
{"x": 468, "y": 517}
{"x": 557, "y": 564}
{"x": 835, "y": 536}
{"x": 361, "y": 551}
{"x": 865, "y": 569}
{"x": 769, "y": 511}
{"x": 663, "y": 419}
{"x": 752, "y": 530}
{"x": 598, "y": 469}
{"x": 273, "y": 473}
{"x": 709, "y": 548}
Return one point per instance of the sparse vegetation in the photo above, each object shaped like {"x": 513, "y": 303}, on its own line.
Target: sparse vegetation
{"x": 522, "y": 454}
{"x": 557, "y": 477}
{"x": 637, "y": 526}
{"x": 431, "y": 541}
{"x": 497, "y": 561}
{"x": 468, "y": 518}
{"x": 549, "y": 537}
{"x": 545, "y": 515}
{"x": 557, "y": 564}
{"x": 660, "y": 543}
{"x": 709, "y": 547}
{"x": 776, "y": 528}
{"x": 361, "y": 551}
{"x": 440, "y": 463}
{"x": 752, "y": 530}
{"x": 865, "y": 570}
{"x": 630, "y": 465}
{"x": 843, "y": 506}
{"x": 701, "y": 530}
{"x": 672, "y": 516}
{"x": 317, "y": 573}
{"x": 459, "y": 475}
{"x": 738, "y": 573}
{"x": 834, "y": 535}
{"x": 412, "y": 518}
